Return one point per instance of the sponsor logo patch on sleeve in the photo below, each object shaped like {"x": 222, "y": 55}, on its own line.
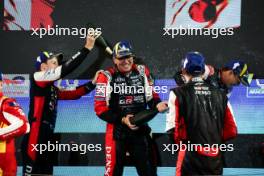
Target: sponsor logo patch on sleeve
{"x": 100, "y": 91}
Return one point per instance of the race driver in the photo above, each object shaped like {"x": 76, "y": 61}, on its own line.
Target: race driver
{"x": 13, "y": 123}
{"x": 202, "y": 116}
{"x": 43, "y": 106}
{"x": 119, "y": 105}
{"x": 232, "y": 74}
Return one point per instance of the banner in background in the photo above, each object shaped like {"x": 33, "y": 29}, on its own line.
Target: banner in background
{"x": 201, "y": 14}
{"x": 27, "y": 14}
{"x": 16, "y": 85}
{"x": 247, "y": 103}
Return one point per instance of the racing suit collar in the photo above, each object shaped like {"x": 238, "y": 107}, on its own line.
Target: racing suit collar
{"x": 1, "y": 94}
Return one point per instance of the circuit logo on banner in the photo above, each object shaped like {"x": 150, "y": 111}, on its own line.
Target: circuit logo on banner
{"x": 16, "y": 85}
{"x": 256, "y": 90}
{"x": 202, "y": 14}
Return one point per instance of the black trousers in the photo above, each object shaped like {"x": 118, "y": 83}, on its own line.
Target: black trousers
{"x": 141, "y": 152}
{"x": 43, "y": 162}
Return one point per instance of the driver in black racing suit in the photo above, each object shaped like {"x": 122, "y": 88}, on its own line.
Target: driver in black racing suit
{"x": 43, "y": 106}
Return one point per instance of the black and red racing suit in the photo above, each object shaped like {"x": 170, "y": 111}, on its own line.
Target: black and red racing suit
{"x": 43, "y": 112}
{"x": 200, "y": 115}
{"x": 112, "y": 105}
{"x": 211, "y": 75}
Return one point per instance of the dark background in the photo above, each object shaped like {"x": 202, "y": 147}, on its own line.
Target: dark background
{"x": 140, "y": 22}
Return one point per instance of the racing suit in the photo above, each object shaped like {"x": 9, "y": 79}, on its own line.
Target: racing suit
{"x": 111, "y": 106}
{"x": 200, "y": 115}
{"x": 13, "y": 123}
{"x": 43, "y": 111}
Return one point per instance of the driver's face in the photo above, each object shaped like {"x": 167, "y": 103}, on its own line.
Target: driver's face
{"x": 229, "y": 78}
{"x": 124, "y": 64}
{"x": 52, "y": 63}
